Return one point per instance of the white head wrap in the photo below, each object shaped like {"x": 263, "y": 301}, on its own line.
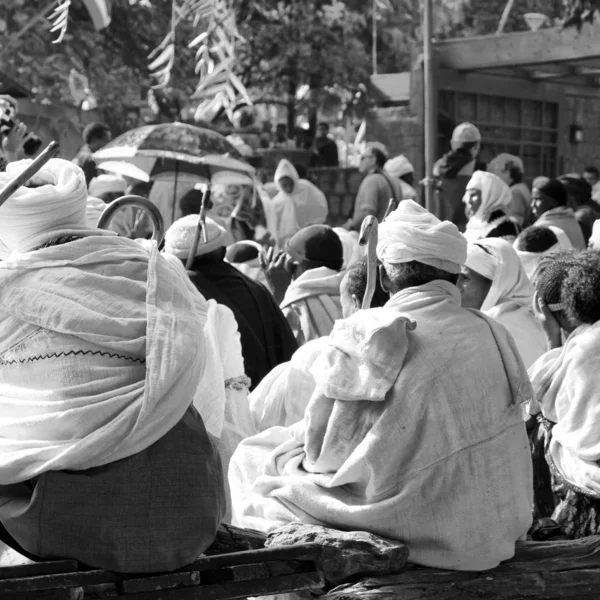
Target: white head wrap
{"x": 495, "y": 195}
{"x": 499, "y": 165}
{"x": 350, "y": 245}
{"x": 594, "y": 242}
{"x": 94, "y": 209}
{"x": 509, "y": 281}
{"x": 106, "y": 184}
{"x": 180, "y": 237}
{"x": 413, "y": 233}
{"x": 35, "y": 215}
{"x": 564, "y": 242}
{"x": 530, "y": 260}
{"x": 399, "y": 166}
{"x": 466, "y": 133}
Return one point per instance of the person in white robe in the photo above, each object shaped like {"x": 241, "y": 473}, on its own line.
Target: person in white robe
{"x": 494, "y": 281}
{"x": 414, "y": 430}
{"x": 567, "y": 390}
{"x": 299, "y": 203}
{"x": 487, "y": 201}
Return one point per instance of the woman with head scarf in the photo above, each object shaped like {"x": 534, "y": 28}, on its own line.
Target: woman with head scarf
{"x": 298, "y": 204}
{"x": 494, "y": 281}
{"x": 487, "y": 200}
{"x": 534, "y": 243}
{"x": 510, "y": 169}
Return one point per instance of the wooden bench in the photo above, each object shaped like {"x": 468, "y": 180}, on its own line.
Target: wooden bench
{"x": 236, "y": 566}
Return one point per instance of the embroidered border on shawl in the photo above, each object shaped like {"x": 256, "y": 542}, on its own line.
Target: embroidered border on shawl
{"x": 4, "y": 362}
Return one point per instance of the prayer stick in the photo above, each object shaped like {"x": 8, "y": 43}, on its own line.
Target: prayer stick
{"x": 22, "y": 178}
{"x": 368, "y": 237}
{"x": 201, "y": 227}
{"x": 392, "y": 206}
{"x": 137, "y": 202}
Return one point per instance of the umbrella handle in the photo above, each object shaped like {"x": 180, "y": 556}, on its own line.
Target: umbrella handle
{"x": 368, "y": 236}
{"x": 200, "y": 228}
{"x": 22, "y": 178}
{"x": 158, "y": 223}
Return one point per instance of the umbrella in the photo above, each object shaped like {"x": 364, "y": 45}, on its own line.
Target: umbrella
{"x": 162, "y": 147}
{"x": 120, "y": 167}
{"x": 175, "y": 149}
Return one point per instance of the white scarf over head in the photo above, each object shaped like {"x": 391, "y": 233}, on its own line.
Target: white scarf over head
{"x": 412, "y": 233}
{"x": 180, "y": 237}
{"x": 495, "y": 195}
{"x": 509, "y": 280}
{"x": 55, "y": 206}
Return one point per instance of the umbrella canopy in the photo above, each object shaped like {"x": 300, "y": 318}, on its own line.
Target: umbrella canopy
{"x": 177, "y": 142}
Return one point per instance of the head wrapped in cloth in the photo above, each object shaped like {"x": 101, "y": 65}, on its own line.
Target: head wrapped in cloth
{"x": 53, "y": 203}
{"x": 180, "y": 237}
{"x": 412, "y": 233}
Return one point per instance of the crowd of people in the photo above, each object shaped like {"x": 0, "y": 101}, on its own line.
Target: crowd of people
{"x": 143, "y": 404}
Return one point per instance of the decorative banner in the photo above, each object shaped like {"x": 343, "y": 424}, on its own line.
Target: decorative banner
{"x": 99, "y": 11}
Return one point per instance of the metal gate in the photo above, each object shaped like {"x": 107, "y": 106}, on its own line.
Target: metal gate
{"x": 524, "y": 127}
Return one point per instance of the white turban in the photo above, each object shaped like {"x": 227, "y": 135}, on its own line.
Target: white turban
{"x": 413, "y": 233}
{"x": 399, "y": 166}
{"x": 56, "y": 205}
{"x": 180, "y": 237}
{"x": 509, "y": 280}
{"x": 594, "y": 242}
{"x": 106, "y": 184}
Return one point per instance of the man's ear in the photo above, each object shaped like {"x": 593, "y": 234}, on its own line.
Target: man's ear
{"x": 384, "y": 280}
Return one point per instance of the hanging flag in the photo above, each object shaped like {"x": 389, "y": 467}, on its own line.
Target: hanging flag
{"x": 99, "y": 11}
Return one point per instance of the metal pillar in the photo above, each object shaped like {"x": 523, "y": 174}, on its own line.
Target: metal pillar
{"x": 429, "y": 116}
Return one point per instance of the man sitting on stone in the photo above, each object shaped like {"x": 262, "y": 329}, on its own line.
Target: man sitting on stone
{"x": 414, "y": 431}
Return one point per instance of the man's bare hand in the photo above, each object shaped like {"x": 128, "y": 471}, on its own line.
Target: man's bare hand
{"x": 12, "y": 143}
{"x": 278, "y": 270}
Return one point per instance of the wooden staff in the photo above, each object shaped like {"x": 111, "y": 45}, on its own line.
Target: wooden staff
{"x": 201, "y": 228}
{"x": 392, "y": 206}
{"x": 368, "y": 237}
{"x": 158, "y": 223}
{"x": 22, "y": 178}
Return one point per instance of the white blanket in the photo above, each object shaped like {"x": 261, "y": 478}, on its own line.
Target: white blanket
{"x": 422, "y": 448}
{"x": 101, "y": 354}
{"x": 567, "y": 388}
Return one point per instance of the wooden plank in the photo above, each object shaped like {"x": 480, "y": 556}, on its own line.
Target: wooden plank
{"x": 519, "y": 49}
{"x": 42, "y": 568}
{"x": 233, "y": 539}
{"x": 302, "y": 552}
{"x": 75, "y": 593}
{"x": 57, "y": 581}
{"x": 160, "y": 582}
{"x": 238, "y": 589}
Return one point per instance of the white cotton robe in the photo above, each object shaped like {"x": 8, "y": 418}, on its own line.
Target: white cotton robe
{"x": 429, "y": 448}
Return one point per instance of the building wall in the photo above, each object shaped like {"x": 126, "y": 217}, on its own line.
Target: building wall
{"x": 582, "y": 110}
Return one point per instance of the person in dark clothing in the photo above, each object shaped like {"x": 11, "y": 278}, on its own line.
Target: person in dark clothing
{"x": 326, "y": 151}
{"x": 266, "y": 337}
{"x": 452, "y": 173}
{"x": 95, "y": 136}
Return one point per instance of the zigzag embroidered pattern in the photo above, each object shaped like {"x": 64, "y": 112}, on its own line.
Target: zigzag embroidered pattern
{"x": 70, "y": 353}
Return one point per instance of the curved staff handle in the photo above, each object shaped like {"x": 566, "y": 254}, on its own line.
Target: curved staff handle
{"x": 201, "y": 227}
{"x": 22, "y": 178}
{"x": 368, "y": 237}
{"x": 158, "y": 223}
{"x": 391, "y": 207}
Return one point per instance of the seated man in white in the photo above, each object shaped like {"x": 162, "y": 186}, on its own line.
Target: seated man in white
{"x": 414, "y": 429}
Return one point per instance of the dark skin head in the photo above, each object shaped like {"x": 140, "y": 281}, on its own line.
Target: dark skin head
{"x": 540, "y": 203}
{"x": 473, "y": 287}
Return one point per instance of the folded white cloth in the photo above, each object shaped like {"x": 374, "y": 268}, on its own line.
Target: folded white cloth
{"x": 399, "y": 166}
{"x": 412, "y": 233}
{"x": 94, "y": 209}
{"x": 101, "y": 354}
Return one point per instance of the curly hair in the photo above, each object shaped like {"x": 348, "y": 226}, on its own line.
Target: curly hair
{"x": 356, "y": 282}
{"x": 580, "y": 289}
{"x": 414, "y": 273}
{"x": 549, "y": 276}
